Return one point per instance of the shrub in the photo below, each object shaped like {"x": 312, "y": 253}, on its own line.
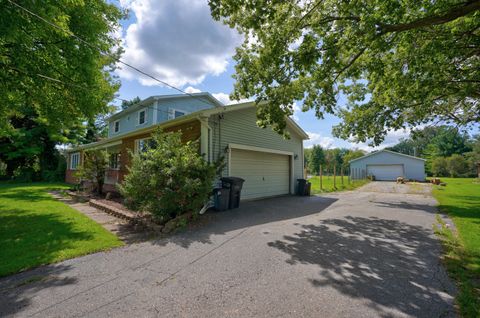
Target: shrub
{"x": 93, "y": 169}
{"x": 439, "y": 167}
{"x": 457, "y": 165}
{"x": 57, "y": 174}
{"x": 168, "y": 177}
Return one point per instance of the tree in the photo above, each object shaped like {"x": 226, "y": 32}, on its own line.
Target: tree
{"x": 94, "y": 169}
{"x": 406, "y": 146}
{"x": 447, "y": 141}
{"x": 169, "y": 178}
{"x": 398, "y": 63}
{"x": 352, "y": 154}
{"x": 63, "y": 79}
{"x": 317, "y": 158}
{"x": 439, "y": 167}
{"x": 127, "y": 103}
{"x": 457, "y": 165}
{"x": 28, "y": 150}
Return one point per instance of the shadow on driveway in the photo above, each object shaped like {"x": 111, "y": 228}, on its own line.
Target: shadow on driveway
{"x": 249, "y": 214}
{"x": 389, "y": 263}
{"x": 16, "y": 291}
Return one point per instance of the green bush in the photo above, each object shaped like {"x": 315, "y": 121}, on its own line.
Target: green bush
{"x": 440, "y": 167}
{"x": 457, "y": 166}
{"x": 94, "y": 168}
{"x": 168, "y": 177}
{"x": 57, "y": 174}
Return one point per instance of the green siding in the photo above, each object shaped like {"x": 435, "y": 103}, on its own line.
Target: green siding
{"x": 239, "y": 127}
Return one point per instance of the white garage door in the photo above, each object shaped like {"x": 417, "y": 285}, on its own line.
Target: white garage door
{"x": 265, "y": 174}
{"x": 385, "y": 172}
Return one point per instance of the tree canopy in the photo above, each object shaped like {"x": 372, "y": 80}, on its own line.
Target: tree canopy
{"x": 316, "y": 158}
{"x": 42, "y": 67}
{"x": 127, "y": 103}
{"x": 448, "y": 151}
{"x": 397, "y": 63}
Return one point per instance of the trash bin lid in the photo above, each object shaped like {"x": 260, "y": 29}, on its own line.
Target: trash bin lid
{"x": 235, "y": 180}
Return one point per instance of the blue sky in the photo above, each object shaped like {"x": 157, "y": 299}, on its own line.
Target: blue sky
{"x": 177, "y": 41}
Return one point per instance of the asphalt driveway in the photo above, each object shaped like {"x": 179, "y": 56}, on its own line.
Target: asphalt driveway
{"x": 366, "y": 253}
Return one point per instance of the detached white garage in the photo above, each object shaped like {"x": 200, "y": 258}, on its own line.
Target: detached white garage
{"x": 387, "y": 165}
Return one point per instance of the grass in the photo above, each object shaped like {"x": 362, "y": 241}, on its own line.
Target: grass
{"x": 327, "y": 184}
{"x": 36, "y": 229}
{"x": 460, "y": 199}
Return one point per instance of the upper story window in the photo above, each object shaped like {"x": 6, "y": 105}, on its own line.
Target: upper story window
{"x": 142, "y": 117}
{"x": 175, "y": 113}
{"x": 114, "y": 161}
{"x": 116, "y": 126}
{"x": 179, "y": 113}
{"x": 74, "y": 160}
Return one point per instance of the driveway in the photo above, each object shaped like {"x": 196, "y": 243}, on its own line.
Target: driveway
{"x": 354, "y": 254}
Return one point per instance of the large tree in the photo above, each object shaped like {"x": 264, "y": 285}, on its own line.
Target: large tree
{"x": 398, "y": 63}
{"x": 64, "y": 79}
{"x": 316, "y": 158}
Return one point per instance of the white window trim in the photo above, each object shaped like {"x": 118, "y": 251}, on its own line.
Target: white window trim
{"x": 114, "y": 125}
{"x": 138, "y": 117}
{"x": 118, "y": 163}
{"x": 75, "y": 154}
{"x": 171, "y": 113}
{"x": 137, "y": 143}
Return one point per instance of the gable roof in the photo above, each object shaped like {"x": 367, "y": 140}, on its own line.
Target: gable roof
{"x": 207, "y": 97}
{"x": 290, "y": 122}
{"x": 388, "y": 151}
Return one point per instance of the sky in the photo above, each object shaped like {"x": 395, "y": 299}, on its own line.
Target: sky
{"x": 178, "y": 42}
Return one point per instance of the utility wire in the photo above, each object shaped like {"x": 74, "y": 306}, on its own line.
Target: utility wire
{"x": 70, "y": 33}
{"x": 87, "y": 88}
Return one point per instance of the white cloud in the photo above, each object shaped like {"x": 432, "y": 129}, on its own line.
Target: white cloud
{"x": 318, "y": 139}
{"x": 192, "y": 90}
{"x": 225, "y": 99}
{"x": 177, "y": 41}
{"x": 391, "y": 139}
{"x": 296, "y": 109}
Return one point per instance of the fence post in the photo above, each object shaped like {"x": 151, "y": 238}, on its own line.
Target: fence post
{"x": 341, "y": 172}
{"x": 321, "y": 178}
{"x": 334, "y": 175}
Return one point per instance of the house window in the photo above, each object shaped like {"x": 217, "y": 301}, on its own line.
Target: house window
{"x": 175, "y": 113}
{"x": 116, "y": 126}
{"x": 114, "y": 161}
{"x": 142, "y": 144}
{"x": 179, "y": 113}
{"x": 74, "y": 160}
{"x": 142, "y": 117}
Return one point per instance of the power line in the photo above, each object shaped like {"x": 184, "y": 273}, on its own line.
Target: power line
{"x": 56, "y": 80}
{"x": 70, "y": 33}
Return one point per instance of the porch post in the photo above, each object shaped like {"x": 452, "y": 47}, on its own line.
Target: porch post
{"x": 204, "y": 151}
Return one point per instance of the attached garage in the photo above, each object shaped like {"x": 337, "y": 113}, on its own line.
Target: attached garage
{"x": 266, "y": 174}
{"x": 387, "y": 165}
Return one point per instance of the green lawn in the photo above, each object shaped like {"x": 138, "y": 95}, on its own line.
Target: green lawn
{"x": 460, "y": 199}
{"x": 327, "y": 184}
{"x": 36, "y": 229}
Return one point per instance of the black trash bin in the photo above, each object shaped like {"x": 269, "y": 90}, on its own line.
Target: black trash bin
{"x": 308, "y": 188}
{"x": 221, "y": 198}
{"x": 235, "y": 185}
{"x": 302, "y": 186}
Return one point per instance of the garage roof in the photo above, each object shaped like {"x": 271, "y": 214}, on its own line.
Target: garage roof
{"x": 392, "y": 152}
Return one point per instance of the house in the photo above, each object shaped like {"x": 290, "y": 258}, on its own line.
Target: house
{"x": 269, "y": 163}
{"x": 388, "y": 165}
